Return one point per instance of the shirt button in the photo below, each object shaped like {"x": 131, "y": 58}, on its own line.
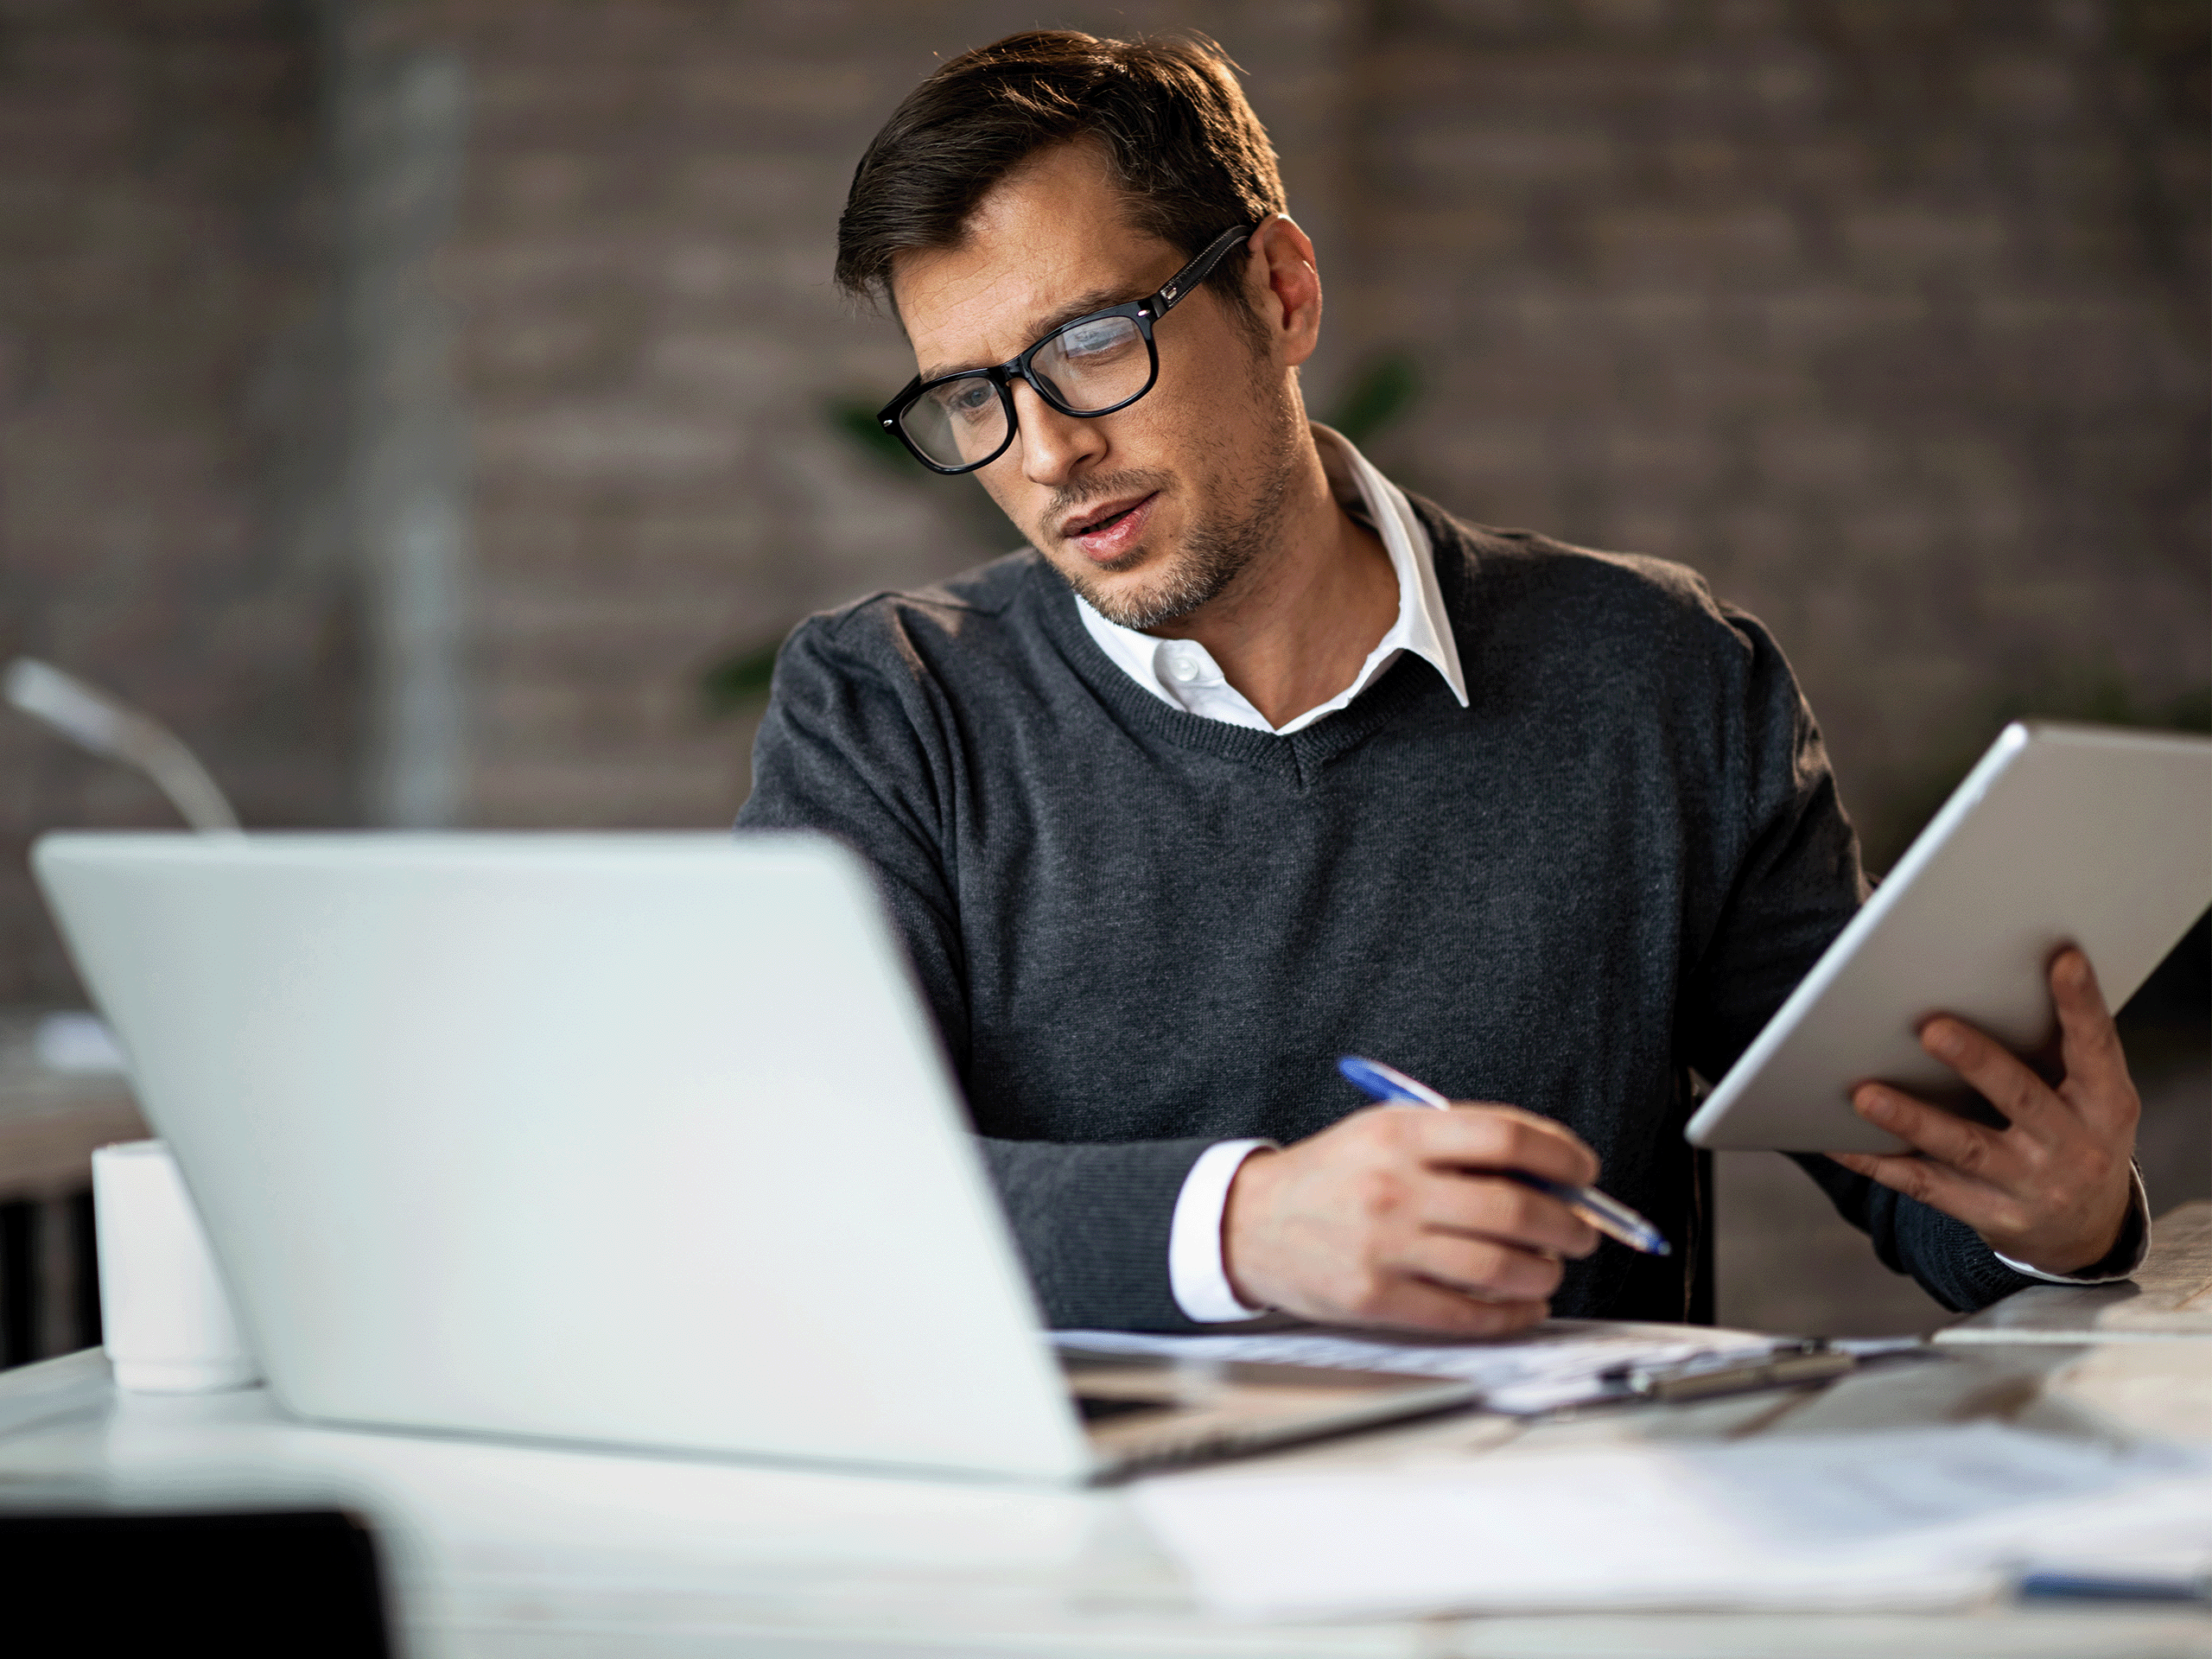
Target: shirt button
{"x": 1182, "y": 667}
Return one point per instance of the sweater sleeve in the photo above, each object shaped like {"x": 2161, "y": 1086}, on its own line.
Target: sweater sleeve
{"x": 861, "y": 745}
{"x": 1795, "y": 882}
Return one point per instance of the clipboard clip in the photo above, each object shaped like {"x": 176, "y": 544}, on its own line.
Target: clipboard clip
{"x": 1703, "y": 1377}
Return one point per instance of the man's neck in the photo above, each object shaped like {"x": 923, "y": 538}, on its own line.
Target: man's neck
{"x": 1292, "y": 631}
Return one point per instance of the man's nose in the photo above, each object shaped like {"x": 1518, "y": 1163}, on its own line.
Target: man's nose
{"x": 1053, "y": 445}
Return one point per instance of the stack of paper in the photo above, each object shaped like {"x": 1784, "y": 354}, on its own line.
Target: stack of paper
{"x": 1560, "y": 1363}
{"x": 1908, "y": 1517}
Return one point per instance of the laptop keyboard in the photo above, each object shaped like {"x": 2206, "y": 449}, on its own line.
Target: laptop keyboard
{"x": 1096, "y": 1408}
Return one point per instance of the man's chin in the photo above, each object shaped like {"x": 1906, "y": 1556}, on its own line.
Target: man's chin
{"x": 1151, "y": 584}
{"x": 1116, "y": 591}
{"x": 1141, "y": 606}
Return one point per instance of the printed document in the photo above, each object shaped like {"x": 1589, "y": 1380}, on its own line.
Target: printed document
{"x": 1560, "y": 1363}
{"x": 1904, "y": 1517}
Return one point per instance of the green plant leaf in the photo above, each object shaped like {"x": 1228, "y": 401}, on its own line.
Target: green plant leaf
{"x": 855, "y": 418}
{"x": 740, "y": 679}
{"x": 2191, "y": 711}
{"x": 2094, "y": 690}
{"x": 1381, "y": 391}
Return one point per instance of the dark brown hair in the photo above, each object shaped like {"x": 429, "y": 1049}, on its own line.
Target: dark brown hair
{"x": 1168, "y": 114}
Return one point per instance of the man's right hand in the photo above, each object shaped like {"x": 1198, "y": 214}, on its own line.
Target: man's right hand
{"x": 1396, "y": 1216}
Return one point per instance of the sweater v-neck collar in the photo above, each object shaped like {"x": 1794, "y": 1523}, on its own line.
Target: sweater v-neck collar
{"x": 1302, "y": 754}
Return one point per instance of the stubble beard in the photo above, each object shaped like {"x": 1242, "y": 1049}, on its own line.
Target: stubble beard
{"x": 1216, "y": 548}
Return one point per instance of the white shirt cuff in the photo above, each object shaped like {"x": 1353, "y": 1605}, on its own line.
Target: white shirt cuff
{"x": 2141, "y": 1218}
{"x": 1196, "y": 1273}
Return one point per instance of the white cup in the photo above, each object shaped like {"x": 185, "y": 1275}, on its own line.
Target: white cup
{"x": 164, "y": 1315}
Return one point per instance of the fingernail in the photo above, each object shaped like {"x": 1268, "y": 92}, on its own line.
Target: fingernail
{"x": 1943, "y": 1039}
{"x": 1874, "y": 1104}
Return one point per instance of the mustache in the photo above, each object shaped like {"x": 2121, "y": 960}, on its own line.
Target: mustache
{"x": 1105, "y": 488}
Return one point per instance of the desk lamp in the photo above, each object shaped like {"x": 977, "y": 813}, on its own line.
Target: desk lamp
{"x": 107, "y": 726}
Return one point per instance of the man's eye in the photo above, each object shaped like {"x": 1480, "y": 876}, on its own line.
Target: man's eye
{"x": 1092, "y": 339}
{"x": 969, "y": 399}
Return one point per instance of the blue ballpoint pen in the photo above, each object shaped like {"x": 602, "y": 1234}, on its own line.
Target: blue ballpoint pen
{"x": 1602, "y": 1210}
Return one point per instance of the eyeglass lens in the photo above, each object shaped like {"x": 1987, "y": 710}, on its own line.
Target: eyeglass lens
{"x": 1087, "y": 367}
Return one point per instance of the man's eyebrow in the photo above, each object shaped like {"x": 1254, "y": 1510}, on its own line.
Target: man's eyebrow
{"x": 1097, "y": 299}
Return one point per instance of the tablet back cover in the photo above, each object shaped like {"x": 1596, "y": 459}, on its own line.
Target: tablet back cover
{"x": 2062, "y": 834}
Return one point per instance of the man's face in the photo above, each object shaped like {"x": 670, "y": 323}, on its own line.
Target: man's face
{"x": 1150, "y": 512}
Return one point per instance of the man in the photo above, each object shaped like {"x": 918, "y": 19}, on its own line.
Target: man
{"x": 1251, "y": 760}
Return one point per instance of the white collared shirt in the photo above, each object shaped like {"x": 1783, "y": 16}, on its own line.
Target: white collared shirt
{"x": 1183, "y": 674}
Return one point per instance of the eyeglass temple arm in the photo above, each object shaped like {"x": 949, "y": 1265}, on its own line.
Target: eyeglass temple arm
{"x": 1178, "y": 287}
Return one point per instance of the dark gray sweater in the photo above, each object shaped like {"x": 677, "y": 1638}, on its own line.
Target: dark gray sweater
{"x": 1142, "y": 931}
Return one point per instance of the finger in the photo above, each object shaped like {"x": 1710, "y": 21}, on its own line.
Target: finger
{"x": 1999, "y": 1076}
{"x": 1981, "y": 1154}
{"x": 1482, "y": 1267}
{"x": 1982, "y": 1208}
{"x": 1488, "y": 1206}
{"x": 1478, "y": 1137}
{"x": 2089, "y": 1046}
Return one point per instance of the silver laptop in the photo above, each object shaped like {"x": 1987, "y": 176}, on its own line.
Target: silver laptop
{"x": 640, "y": 1140}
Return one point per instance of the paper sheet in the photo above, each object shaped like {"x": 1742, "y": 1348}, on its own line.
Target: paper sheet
{"x": 1909, "y": 1517}
{"x": 1560, "y": 1363}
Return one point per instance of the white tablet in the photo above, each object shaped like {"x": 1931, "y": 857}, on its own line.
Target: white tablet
{"x": 2062, "y": 834}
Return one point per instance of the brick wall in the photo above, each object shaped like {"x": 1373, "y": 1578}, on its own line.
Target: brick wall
{"x": 1887, "y": 314}
{"x": 164, "y": 439}
{"x": 651, "y": 342}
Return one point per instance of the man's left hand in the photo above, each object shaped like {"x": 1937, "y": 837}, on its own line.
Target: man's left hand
{"x": 2052, "y": 1190}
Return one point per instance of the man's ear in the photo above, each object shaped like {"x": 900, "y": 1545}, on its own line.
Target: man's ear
{"x": 1284, "y": 288}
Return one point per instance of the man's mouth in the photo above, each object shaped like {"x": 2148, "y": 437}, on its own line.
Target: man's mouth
{"x": 1107, "y": 531}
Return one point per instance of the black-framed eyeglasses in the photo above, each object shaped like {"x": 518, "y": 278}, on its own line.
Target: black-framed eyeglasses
{"x": 1102, "y": 361}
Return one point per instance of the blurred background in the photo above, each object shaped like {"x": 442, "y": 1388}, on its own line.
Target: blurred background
{"x": 437, "y": 411}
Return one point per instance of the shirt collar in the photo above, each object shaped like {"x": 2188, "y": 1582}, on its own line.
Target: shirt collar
{"x": 1426, "y": 625}
{"x": 1183, "y": 674}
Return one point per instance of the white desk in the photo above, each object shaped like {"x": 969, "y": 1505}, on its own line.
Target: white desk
{"x": 513, "y": 1552}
